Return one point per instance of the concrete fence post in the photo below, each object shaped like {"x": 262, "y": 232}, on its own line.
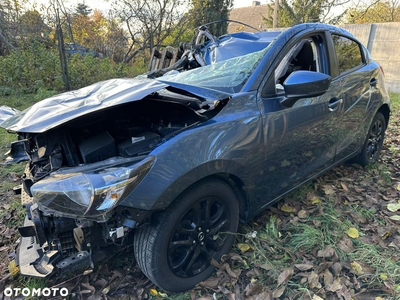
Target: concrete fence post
{"x": 371, "y": 37}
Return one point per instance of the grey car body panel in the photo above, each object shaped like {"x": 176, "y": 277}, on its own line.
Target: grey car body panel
{"x": 6, "y": 113}
{"x": 171, "y": 174}
{"x": 60, "y": 109}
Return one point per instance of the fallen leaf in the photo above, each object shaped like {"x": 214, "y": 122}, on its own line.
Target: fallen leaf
{"x": 88, "y": 287}
{"x": 153, "y": 292}
{"x": 308, "y": 154}
{"x": 328, "y": 252}
{"x": 316, "y": 201}
{"x": 353, "y": 233}
{"x": 313, "y": 281}
{"x": 336, "y": 269}
{"x": 285, "y": 276}
{"x": 335, "y": 286}
{"x": 383, "y": 277}
{"x": 328, "y": 189}
{"x": 386, "y": 235}
{"x": 267, "y": 267}
{"x": 393, "y": 207}
{"x": 302, "y": 214}
{"x": 211, "y": 283}
{"x": 395, "y": 218}
{"x": 106, "y": 290}
{"x": 357, "y": 268}
{"x": 279, "y": 292}
{"x": 288, "y": 209}
{"x": 304, "y": 267}
{"x": 346, "y": 189}
{"x": 244, "y": 247}
{"x": 346, "y": 245}
{"x": 285, "y": 163}
{"x": 328, "y": 277}
{"x": 13, "y": 268}
{"x": 266, "y": 295}
{"x": 316, "y": 297}
{"x": 252, "y": 288}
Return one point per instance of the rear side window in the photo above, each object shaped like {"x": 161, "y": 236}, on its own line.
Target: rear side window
{"x": 348, "y": 53}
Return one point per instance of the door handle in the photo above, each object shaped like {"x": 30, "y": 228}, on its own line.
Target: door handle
{"x": 334, "y": 103}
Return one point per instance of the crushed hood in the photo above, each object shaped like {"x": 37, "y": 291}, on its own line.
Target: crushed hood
{"x": 59, "y": 109}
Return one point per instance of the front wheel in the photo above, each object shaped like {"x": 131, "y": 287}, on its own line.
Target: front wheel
{"x": 373, "y": 142}
{"x": 175, "y": 252}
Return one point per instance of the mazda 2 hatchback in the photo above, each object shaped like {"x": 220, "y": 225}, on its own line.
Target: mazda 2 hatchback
{"x": 173, "y": 163}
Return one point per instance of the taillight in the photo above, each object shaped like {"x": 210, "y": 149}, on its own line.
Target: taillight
{"x": 383, "y": 72}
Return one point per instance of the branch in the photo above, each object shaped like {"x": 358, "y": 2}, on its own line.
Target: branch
{"x": 4, "y": 40}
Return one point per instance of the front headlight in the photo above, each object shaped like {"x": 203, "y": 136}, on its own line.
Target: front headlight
{"x": 90, "y": 190}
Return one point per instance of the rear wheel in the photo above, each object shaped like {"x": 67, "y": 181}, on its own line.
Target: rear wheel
{"x": 176, "y": 251}
{"x": 373, "y": 142}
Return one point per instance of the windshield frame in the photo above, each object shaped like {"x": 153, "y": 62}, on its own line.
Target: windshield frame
{"x": 228, "y": 76}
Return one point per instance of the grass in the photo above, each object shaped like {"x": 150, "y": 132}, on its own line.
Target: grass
{"x": 31, "y": 284}
{"x": 381, "y": 260}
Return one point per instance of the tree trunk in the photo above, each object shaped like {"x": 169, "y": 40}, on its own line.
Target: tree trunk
{"x": 63, "y": 58}
{"x": 5, "y": 42}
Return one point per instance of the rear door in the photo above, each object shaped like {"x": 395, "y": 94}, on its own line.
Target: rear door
{"x": 358, "y": 81}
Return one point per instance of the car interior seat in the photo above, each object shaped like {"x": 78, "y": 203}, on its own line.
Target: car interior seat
{"x": 304, "y": 60}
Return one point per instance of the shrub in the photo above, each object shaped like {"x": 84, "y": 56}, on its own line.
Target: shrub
{"x": 37, "y": 67}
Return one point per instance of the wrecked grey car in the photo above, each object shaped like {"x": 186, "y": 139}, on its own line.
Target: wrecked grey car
{"x": 176, "y": 162}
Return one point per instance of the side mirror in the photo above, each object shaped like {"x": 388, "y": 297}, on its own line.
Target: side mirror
{"x": 304, "y": 84}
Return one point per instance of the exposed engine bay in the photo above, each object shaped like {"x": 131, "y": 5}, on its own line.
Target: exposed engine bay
{"x": 127, "y": 130}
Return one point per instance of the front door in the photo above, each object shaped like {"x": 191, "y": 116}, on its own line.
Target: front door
{"x": 299, "y": 140}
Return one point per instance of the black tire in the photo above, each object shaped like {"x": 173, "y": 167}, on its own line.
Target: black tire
{"x": 373, "y": 142}
{"x": 175, "y": 252}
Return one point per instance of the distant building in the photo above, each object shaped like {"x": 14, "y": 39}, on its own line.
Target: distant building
{"x": 252, "y": 15}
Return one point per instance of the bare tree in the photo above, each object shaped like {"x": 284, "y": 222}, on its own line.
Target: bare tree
{"x": 374, "y": 11}
{"x": 149, "y": 23}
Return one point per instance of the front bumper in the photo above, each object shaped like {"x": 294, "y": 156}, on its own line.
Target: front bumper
{"x": 36, "y": 257}
{"x": 36, "y": 261}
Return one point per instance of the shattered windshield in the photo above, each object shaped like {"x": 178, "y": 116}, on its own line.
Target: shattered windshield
{"x": 226, "y": 76}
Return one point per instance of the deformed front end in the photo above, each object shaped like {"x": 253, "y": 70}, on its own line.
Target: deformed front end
{"x": 84, "y": 164}
{"x": 63, "y": 242}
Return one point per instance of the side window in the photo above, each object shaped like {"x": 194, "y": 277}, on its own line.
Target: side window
{"x": 348, "y": 53}
{"x": 307, "y": 54}
{"x": 302, "y": 56}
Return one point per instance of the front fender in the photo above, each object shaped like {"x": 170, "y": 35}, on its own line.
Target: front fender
{"x": 161, "y": 193}
{"x": 230, "y": 143}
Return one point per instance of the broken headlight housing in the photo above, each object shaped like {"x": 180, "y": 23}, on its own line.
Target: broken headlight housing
{"x": 90, "y": 191}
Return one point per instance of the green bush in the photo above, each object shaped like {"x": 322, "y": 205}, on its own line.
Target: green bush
{"x": 30, "y": 69}
{"x": 36, "y": 68}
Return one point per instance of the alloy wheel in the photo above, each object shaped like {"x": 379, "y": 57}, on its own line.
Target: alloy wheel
{"x": 198, "y": 236}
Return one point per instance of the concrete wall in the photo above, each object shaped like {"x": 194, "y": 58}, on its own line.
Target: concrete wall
{"x": 383, "y": 41}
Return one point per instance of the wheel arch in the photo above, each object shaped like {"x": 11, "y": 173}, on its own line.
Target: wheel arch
{"x": 233, "y": 181}
{"x": 385, "y": 110}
